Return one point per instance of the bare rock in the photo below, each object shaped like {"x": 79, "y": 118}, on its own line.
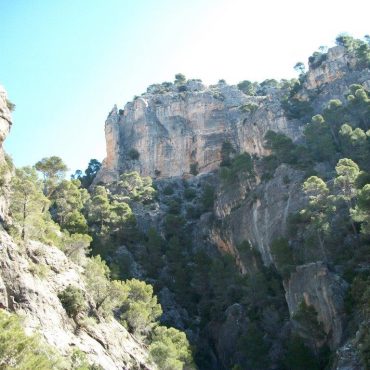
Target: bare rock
{"x": 322, "y": 289}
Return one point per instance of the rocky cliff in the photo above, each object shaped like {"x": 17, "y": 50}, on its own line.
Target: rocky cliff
{"x": 178, "y": 129}
{"x": 31, "y": 278}
{"x": 181, "y": 129}
{"x": 33, "y": 274}
{"x": 5, "y": 125}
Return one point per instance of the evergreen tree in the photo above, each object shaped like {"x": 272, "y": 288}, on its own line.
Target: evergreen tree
{"x": 28, "y": 204}
{"x": 53, "y": 170}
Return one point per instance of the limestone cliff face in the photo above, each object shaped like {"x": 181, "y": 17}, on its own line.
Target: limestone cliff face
{"x": 5, "y": 117}
{"x": 258, "y": 213}
{"x": 5, "y": 125}
{"x": 31, "y": 278}
{"x": 322, "y": 289}
{"x": 185, "y": 127}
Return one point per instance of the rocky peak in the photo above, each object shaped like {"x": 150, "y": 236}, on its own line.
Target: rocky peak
{"x": 174, "y": 130}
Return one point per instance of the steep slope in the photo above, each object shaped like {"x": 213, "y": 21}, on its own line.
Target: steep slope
{"x": 175, "y": 130}
{"x": 33, "y": 274}
{"x": 31, "y": 278}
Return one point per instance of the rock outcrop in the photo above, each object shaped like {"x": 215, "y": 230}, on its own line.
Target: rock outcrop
{"x": 322, "y": 289}
{"x": 31, "y": 278}
{"x": 182, "y": 130}
{"x": 5, "y": 125}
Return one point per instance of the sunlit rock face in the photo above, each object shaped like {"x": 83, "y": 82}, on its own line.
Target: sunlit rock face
{"x": 5, "y": 125}
{"x": 178, "y": 132}
{"x": 5, "y": 116}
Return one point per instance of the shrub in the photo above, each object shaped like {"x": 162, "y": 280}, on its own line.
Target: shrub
{"x": 241, "y": 165}
{"x": 37, "y": 269}
{"x": 247, "y": 87}
{"x": 248, "y": 108}
{"x": 174, "y": 206}
{"x": 170, "y": 349}
{"x": 140, "y": 309}
{"x": 10, "y": 105}
{"x": 208, "y": 197}
{"x": 20, "y": 351}
{"x": 72, "y": 300}
{"x": 133, "y": 154}
{"x": 190, "y": 193}
{"x": 168, "y": 190}
{"x": 227, "y": 152}
{"x": 194, "y": 168}
{"x": 173, "y": 225}
{"x": 283, "y": 256}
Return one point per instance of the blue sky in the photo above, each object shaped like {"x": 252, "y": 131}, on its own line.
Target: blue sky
{"x": 66, "y": 63}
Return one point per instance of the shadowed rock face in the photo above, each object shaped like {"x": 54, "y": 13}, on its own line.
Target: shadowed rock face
{"x": 174, "y": 131}
{"x": 322, "y": 289}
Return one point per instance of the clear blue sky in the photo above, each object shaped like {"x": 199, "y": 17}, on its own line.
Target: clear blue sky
{"x": 65, "y": 63}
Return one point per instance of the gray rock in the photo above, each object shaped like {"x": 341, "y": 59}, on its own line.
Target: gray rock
{"x": 324, "y": 290}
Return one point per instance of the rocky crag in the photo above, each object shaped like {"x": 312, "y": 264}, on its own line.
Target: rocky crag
{"x": 175, "y": 131}
{"x": 33, "y": 274}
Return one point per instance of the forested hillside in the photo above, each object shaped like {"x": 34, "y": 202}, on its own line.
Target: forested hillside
{"x": 228, "y": 228}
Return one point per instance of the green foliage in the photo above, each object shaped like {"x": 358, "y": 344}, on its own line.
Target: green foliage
{"x": 208, "y": 198}
{"x": 53, "y": 170}
{"x": 227, "y": 153}
{"x": 359, "y": 48}
{"x": 190, "y": 193}
{"x": 307, "y": 318}
{"x": 361, "y": 212}
{"x": 37, "y": 269}
{"x": 23, "y": 352}
{"x": 354, "y": 144}
{"x": 320, "y": 207}
{"x": 10, "y": 105}
{"x": 241, "y": 167}
{"x": 90, "y": 173}
{"x": 180, "y": 79}
{"x": 194, "y": 168}
{"x": 247, "y": 87}
{"x": 133, "y": 154}
{"x": 168, "y": 190}
{"x": 364, "y": 345}
{"x": 135, "y": 187}
{"x": 254, "y": 347}
{"x": 174, "y": 206}
{"x": 170, "y": 349}
{"x": 173, "y": 225}
{"x": 76, "y": 246}
{"x": 73, "y": 301}
{"x": 295, "y": 108}
{"x": 319, "y": 139}
{"x": 28, "y": 207}
{"x": 67, "y": 202}
{"x": 140, "y": 309}
{"x": 99, "y": 210}
{"x": 347, "y": 174}
{"x": 249, "y": 108}
{"x": 283, "y": 255}
{"x": 299, "y": 356}
{"x": 316, "y": 59}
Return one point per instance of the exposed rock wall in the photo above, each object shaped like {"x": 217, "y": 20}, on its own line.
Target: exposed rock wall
{"x": 5, "y": 125}
{"x": 30, "y": 280}
{"x": 175, "y": 130}
{"x": 259, "y": 213}
{"x": 322, "y": 289}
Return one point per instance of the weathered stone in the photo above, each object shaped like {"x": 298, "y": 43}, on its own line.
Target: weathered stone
{"x": 324, "y": 290}
{"x": 176, "y": 130}
{"x": 32, "y": 279}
